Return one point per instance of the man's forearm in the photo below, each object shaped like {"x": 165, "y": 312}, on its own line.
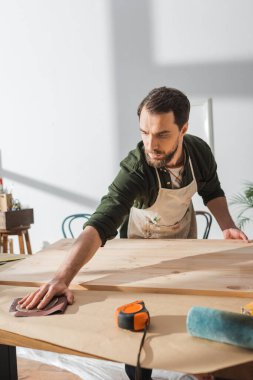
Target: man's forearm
{"x": 82, "y": 251}
{"x": 219, "y": 209}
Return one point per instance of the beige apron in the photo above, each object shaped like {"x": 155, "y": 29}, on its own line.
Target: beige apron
{"x": 170, "y": 217}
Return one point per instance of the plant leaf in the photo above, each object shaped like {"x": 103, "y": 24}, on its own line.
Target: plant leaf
{"x": 242, "y": 222}
{"x": 244, "y": 202}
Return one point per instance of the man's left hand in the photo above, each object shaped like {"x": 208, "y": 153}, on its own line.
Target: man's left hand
{"x": 234, "y": 233}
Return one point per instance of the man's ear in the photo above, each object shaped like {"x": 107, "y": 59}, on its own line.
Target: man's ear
{"x": 184, "y": 128}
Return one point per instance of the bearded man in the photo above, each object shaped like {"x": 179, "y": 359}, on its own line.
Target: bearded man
{"x": 151, "y": 197}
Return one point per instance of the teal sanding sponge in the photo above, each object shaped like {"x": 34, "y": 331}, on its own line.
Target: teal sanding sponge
{"x": 220, "y": 326}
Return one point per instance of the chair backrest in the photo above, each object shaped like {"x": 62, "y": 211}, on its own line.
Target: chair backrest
{"x": 67, "y": 222}
{"x": 208, "y": 222}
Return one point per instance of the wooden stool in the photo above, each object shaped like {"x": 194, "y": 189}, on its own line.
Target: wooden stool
{"x": 21, "y": 232}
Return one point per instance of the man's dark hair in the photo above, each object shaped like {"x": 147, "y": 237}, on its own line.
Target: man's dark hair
{"x": 165, "y": 99}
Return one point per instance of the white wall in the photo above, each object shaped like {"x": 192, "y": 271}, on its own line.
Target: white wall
{"x": 56, "y": 96}
{"x": 73, "y": 72}
{"x": 212, "y": 41}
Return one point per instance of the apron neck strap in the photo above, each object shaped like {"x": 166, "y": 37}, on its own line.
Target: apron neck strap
{"x": 193, "y": 175}
{"x": 158, "y": 177}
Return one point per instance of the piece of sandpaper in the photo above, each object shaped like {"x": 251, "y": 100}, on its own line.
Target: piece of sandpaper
{"x": 56, "y": 306}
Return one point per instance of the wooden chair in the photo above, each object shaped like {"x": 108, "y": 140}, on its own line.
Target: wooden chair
{"x": 23, "y": 236}
{"x": 208, "y": 219}
{"x": 67, "y": 223}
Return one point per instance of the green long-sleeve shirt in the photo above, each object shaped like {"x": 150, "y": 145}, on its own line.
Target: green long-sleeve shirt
{"x": 136, "y": 185}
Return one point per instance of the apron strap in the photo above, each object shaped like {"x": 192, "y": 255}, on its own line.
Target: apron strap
{"x": 193, "y": 175}
{"x": 158, "y": 178}
{"x": 192, "y": 171}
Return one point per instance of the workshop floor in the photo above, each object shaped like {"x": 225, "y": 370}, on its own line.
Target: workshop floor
{"x": 43, "y": 365}
{"x": 34, "y": 370}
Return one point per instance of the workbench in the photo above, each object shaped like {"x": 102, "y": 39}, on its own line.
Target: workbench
{"x": 169, "y": 275}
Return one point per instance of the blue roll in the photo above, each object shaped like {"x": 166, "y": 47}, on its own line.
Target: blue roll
{"x": 220, "y": 326}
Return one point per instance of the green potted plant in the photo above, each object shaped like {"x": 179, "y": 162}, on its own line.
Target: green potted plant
{"x": 244, "y": 203}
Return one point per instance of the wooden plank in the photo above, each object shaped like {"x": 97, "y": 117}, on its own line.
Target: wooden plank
{"x": 212, "y": 267}
{"x": 5, "y": 257}
{"x": 12, "y": 339}
{"x": 87, "y": 327}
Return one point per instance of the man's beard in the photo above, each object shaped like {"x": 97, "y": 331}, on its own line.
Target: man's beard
{"x": 162, "y": 162}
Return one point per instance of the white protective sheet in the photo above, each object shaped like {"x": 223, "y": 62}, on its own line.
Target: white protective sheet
{"x": 93, "y": 369}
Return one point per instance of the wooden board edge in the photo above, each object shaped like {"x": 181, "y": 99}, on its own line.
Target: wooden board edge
{"x": 13, "y": 339}
{"x": 197, "y": 292}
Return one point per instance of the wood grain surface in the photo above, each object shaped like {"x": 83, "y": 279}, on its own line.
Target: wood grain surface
{"x": 87, "y": 328}
{"x": 211, "y": 267}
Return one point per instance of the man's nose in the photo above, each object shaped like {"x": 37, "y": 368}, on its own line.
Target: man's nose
{"x": 152, "y": 143}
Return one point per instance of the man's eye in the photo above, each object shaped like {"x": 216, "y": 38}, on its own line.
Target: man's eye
{"x": 164, "y": 136}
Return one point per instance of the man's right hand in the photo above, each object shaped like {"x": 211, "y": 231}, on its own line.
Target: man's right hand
{"x": 81, "y": 252}
{"x": 42, "y": 296}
